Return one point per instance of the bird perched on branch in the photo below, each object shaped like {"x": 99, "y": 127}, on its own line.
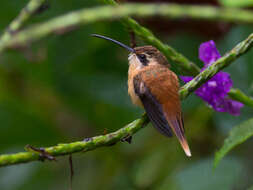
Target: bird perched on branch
{"x": 153, "y": 86}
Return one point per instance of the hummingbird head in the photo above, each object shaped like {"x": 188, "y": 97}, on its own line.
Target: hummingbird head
{"x": 140, "y": 56}
{"x": 147, "y": 55}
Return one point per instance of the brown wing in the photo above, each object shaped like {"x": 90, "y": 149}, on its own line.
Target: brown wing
{"x": 152, "y": 107}
{"x": 159, "y": 87}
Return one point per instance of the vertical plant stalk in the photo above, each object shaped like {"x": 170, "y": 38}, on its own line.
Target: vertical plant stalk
{"x": 184, "y": 64}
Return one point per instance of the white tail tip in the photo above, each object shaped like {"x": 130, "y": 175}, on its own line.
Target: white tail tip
{"x": 188, "y": 152}
{"x": 186, "y": 148}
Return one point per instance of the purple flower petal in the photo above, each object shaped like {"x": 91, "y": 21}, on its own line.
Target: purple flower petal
{"x": 208, "y": 52}
{"x": 186, "y": 78}
{"x": 216, "y": 88}
{"x": 227, "y": 105}
{"x": 215, "y": 91}
{"x": 234, "y": 107}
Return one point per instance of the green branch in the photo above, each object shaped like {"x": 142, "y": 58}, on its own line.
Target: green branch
{"x": 79, "y": 146}
{"x": 86, "y": 16}
{"x": 218, "y": 65}
{"x": 238, "y": 95}
{"x": 132, "y": 128}
{"x": 18, "y": 22}
{"x": 89, "y": 15}
{"x": 183, "y": 63}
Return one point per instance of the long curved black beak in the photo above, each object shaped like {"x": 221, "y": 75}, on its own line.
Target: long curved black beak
{"x": 115, "y": 41}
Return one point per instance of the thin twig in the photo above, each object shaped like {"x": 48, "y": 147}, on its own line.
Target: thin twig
{"x": 132, "y": 39}
{"x": 89, "y": 15}
{"x": 19, "y": 21}
{"x": 71, "y": 170}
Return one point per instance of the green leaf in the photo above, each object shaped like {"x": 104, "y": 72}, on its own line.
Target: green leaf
{"x": 237, "y": 135}
{"x": 251, "y": 188}
{"x": 236, "y": 3}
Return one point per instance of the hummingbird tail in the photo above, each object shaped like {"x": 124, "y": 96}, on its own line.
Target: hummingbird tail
{"x": 185, "y": 147}
{"x": 177, "y": 127}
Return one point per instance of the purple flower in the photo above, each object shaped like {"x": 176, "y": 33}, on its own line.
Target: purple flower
{"x": 215, "y": 91}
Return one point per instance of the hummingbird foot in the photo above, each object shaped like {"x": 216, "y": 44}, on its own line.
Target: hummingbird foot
{"x": 44, "y": 155}
{"x": 127, "y": 138}
{"x": 88, "y": 139}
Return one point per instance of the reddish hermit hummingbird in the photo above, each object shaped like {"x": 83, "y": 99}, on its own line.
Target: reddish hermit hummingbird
{"x": 153, "y": 86}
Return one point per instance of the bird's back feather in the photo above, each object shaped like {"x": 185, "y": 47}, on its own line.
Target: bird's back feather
{"x": 157, "y": 87}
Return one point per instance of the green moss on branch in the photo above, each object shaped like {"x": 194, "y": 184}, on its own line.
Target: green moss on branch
{"x": 80, "y": 146}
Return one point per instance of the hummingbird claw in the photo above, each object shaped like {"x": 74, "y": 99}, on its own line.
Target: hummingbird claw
{"x": 44, "y": 155}
{"x": 88, "y": 139}
{"x": 127, "y": 138}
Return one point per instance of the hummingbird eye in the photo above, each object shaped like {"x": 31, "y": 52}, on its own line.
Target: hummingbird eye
{"x": 143, "y": 59}
{"x": 142, "y": 56}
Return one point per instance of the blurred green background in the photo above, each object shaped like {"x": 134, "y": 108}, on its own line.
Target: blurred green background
{"x": 71, "y": 86}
